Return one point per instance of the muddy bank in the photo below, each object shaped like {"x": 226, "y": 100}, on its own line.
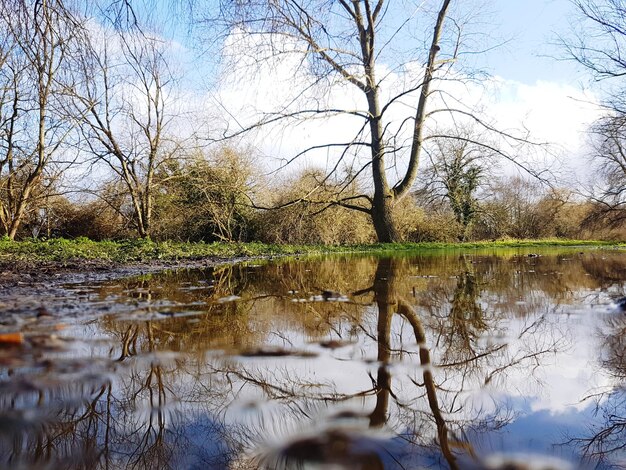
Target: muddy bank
{"x": 36, "y": 274}
{"x": 28, "y": 288}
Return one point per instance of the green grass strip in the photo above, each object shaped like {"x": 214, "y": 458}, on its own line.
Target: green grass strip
{"x": 60, "y": 249}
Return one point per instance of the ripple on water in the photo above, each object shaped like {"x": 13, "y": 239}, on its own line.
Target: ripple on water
{"x": 488, "y": 360}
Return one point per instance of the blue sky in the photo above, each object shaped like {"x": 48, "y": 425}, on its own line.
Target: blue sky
{"x": 528, "y": 28}
{"x": 532, "y": 27}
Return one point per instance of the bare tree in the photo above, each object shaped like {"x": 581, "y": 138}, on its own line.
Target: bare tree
{"x": 598, "y": 44}
{"x": 609, "y": 146}
{"x": 38, "y": 39}
{"x": 345, "y": 42}
{"x": 126, "y": 85}
{"x": 396, "y": 57}
{"x": 206, "y": 196}
{"x": 599, "y": 38}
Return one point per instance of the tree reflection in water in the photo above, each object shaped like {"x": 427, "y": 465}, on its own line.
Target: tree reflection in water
{"x": 413, "y": 370}
{"x": 605, "y": 438}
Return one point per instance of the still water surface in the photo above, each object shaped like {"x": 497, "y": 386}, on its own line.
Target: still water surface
{"x": 456, "y": 360}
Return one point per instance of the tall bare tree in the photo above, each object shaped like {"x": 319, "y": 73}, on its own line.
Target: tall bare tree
{"x": 38, "y": 39}
{"x": 598, "y": 44}
{"x": 348, "y": 41}
{"x": 126, "y": 85}
{"x": 399, "y": 59}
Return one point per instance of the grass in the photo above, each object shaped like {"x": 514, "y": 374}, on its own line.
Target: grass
{"x": 146, "y": 250}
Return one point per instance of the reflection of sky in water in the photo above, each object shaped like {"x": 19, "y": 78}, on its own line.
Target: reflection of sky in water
{"x": 547, "y": 433}
{"x": 516, "y": 345}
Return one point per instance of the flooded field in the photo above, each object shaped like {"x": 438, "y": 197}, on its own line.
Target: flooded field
{"x": 456, "y": 360}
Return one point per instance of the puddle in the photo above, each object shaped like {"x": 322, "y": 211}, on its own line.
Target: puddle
{"x": 445, "y": 360}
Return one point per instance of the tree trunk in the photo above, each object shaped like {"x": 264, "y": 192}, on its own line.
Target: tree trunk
{"x": 146, "y": 214}
{"x": 17, "y": 218}
{"x": 382, "y": 218}
{"x": 385, "y": 298}
{"x": 143, "y": 229}
{"x": 20, "y": 210}
{"x": 12, "y": 232}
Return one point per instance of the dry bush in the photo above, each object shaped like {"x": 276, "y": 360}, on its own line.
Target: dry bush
{"x": 562, "y": 216}
{"x": 96, "y": 220}
{"x": 300, "y": 223}
{"x": 57, "y": 216}
{"x": 311, "y": 219}
{"x": 424, "y": 218}
{"x": 206, "y": 197}
{"x": 434, "y": 226}
{"x": 492, "y": 222}
{"x": 407, "y": 215}
{"x": 603, "y": 223}
{"x": 523, "y": 209}
{"x": 511, "y": 211}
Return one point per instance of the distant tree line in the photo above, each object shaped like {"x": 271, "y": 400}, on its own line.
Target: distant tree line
{"x": 207, "y": 202}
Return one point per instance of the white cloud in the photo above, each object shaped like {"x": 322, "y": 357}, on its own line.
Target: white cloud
{"x": 556, "y": 113}
{"x": 553, "y": 112}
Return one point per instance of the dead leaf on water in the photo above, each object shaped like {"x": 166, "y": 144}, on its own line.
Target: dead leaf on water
{"x": 11, "y": 339}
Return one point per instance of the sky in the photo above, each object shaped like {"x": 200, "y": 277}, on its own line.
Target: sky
{"x": 559, "y": 95}
{"x": 533, "y": 27}
{"x": 530, "y": 86}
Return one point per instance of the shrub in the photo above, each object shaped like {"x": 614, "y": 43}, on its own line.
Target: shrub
{"x": 303, "y": 213}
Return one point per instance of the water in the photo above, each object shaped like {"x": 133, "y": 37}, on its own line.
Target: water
{"x": 459, "y": 360}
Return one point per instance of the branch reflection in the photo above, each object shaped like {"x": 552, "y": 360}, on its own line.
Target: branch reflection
{"x": 369, "y": 363}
